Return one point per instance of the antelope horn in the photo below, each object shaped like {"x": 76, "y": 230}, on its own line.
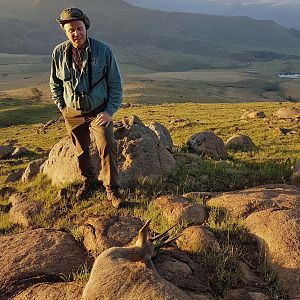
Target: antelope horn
{"x": 162, "y": 234}
{"x": 167, "y": 242}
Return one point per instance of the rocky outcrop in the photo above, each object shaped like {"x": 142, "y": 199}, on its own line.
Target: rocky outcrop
{"x": 272, "y": 215}
{"x": 102, "y": 233}
{"x": 207, "y": 142}
{"x": 177, "y": 209}
{"x": 62, "y": 165}
{"x": 53, "y": 291}
{"x": 140, "y": 154}
{"x": 36, "y": 256}
{"x": 162, "y": 134}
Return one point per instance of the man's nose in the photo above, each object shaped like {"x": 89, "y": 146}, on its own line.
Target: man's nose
{"x": 75, "y": 33}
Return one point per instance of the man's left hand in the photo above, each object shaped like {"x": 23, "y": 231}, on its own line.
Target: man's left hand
{"x": 103, "y": 119}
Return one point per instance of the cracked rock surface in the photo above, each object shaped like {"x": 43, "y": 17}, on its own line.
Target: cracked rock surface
{"x": 272, "y": 214}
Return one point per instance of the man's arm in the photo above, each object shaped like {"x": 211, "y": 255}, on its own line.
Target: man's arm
{"x": 114, "y": 85}
{"x": 56, "y": 85}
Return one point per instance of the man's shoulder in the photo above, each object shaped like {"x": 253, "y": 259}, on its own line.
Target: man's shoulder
{"x": 61, "y": 47}
{"x": 99, "y": 45}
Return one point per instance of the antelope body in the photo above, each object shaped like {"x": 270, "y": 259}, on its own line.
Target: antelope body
{"x": 127, "y": 273}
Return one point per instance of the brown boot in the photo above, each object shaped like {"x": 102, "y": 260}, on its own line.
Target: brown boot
{"x": 114, "y": 196}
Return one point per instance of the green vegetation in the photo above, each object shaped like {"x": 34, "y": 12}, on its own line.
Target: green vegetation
{"x": 82, "y": 274}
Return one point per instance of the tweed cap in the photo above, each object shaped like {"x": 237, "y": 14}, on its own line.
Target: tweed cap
{"x": 73, "y": 14}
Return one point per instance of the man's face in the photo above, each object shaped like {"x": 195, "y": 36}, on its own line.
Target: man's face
{"x": 76, "y": 33}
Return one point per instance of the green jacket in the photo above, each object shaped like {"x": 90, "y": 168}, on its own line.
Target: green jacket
{"x": 66, "y": 81}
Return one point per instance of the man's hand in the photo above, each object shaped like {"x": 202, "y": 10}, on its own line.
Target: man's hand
{"x": 103, "y": 119}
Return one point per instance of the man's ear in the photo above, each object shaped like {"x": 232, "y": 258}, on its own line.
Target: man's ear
{"x": 62, "y": 26}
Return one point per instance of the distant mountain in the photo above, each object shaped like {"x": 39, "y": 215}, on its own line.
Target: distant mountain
{"x": 153, "y": 39}
{"x": 286, "y": 14}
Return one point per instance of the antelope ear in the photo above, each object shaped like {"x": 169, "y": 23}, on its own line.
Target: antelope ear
{"x": 143, "y": 234}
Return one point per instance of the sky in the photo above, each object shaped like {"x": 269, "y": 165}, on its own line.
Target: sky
{"x": 251, "y": 2}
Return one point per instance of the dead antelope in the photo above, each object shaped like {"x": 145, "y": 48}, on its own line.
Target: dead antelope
{"x": 128, "y": 272}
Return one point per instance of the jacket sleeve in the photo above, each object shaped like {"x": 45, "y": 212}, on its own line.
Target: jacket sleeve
{"x": 56, "y": 85}
{"x": 114, "y": 85}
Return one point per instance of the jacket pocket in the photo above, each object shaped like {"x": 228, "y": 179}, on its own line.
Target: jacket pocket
{"x": 64, "y": 74}
{"x": 98, "y": 72}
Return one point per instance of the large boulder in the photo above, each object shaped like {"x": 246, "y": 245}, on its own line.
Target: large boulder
{"x": 178, "y": 209}
{"x": 53, "y": 291}
{"x": 288, "y": 113}
{"x": 140, "y": 154}
{"x": 206, "y": 142}
{"x": 271, "y": 214}
{"x": 62, "y": 165}
{"x": 36, "y": 256}
{"x": 102, "y": 233}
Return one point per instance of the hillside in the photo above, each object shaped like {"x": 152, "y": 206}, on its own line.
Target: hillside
{"x": 173, "y": 41}
{"x": 285, "y": 14}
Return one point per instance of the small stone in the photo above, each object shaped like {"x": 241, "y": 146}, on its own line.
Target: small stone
{"x": 33, "y": 169}
{"x": 197, "y": 239}
{"x": 177, "y": 209}
{"x": 14, "y": 176}
{"x": 6, "y": 151}
{"x": 206, "y": 142}
{"x": 6, "y": 190}
{"x": 19, "y": 151}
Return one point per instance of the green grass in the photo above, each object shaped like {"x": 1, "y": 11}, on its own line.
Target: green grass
{"x": 26, "y": 114}
{"x": 82, "y": 274}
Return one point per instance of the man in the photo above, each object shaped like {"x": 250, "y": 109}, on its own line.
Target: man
{"x": 86, "y": 86}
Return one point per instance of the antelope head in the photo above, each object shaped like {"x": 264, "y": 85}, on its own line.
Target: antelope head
{"x": 150, "y": 245}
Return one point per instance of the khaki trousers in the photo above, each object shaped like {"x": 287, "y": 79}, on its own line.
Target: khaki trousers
{"x": 78, "y": 125}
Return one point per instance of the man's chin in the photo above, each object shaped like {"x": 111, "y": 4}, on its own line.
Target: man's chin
{"x": 77, "y": 44}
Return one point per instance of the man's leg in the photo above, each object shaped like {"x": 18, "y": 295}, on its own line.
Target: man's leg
{"x": 109, "y": 174}
{"x": 78, "y": 129}
{"x": 107, "y": 148}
